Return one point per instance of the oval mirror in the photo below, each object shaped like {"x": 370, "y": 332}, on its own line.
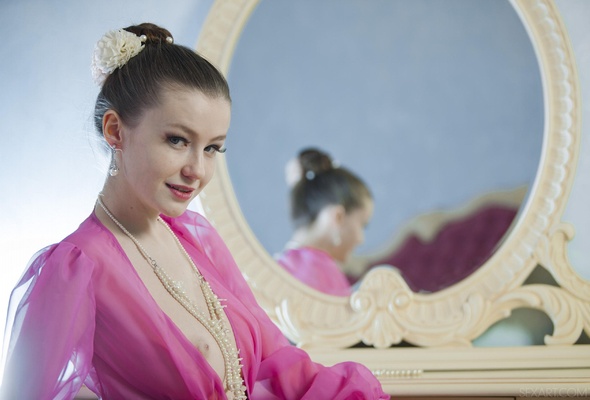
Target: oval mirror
{"x": 384, "y": 310}
{"x": 438, "y": 106}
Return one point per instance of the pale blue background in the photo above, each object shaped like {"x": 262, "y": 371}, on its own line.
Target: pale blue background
{"x": 433, "y": 103}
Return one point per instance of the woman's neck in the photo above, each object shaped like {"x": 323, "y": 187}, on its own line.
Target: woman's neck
{"x": 131, "y": 213}
{"x": 306, "y": 237}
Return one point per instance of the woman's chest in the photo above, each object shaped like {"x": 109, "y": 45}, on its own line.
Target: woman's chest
{"x": 177, "y": 313}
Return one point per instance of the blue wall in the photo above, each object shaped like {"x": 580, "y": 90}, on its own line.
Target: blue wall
{"x": 433, "y": 103}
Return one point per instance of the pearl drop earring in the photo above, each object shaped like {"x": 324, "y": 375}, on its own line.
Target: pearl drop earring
{"x": 336, "y": 239}
{"x": 113, "y": 168}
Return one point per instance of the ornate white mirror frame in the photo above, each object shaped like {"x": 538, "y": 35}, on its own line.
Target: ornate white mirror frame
{"x": 384, "y": 311}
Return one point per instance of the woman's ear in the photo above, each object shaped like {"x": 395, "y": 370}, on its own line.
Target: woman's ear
{"x": 112, "y": 127}
{"x": 338, "y": 213}
{"x": 332, "y": 215}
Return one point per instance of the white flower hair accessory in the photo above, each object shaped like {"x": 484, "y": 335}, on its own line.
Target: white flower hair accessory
{"x": 113, "y": 51}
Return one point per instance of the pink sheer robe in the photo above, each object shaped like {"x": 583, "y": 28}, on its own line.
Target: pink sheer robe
{"x": 82, "y": 315}
{"x": 315, "y": 268}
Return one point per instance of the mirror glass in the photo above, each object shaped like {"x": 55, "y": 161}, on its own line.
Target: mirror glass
{"x": 438, "y": 106}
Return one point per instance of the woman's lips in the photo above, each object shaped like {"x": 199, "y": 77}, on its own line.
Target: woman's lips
{"x": 181, "y": 192}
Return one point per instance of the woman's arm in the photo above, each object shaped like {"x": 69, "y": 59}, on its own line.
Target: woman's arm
{"x": 51, "y": 341}
{"x": 284, "y": 371}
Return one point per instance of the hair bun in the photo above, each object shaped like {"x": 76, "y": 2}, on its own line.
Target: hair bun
{"x": 308, "y": 163}
{"x": 153, "y": 33}
{"x": 314, "y": 161}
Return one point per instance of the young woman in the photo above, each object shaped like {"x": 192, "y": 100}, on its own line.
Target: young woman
{"x": 330, "y": 208}
{"x": 143, "y": 300}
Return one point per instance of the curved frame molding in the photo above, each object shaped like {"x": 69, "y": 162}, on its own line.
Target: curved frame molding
{"x": 383, "y": 311}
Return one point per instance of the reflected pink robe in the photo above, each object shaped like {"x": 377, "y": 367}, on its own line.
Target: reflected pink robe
{"x": 83, "y": 315}
{"x": 315, "y": 268}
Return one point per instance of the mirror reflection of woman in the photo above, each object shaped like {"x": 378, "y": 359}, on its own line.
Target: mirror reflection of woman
{"x": 330, "y": 209}
{"x": 144, "y": 300}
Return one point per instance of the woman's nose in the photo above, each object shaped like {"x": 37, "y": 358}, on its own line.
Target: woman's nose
{"x": 194, "y": 168}
{"x": 361, "y": 238}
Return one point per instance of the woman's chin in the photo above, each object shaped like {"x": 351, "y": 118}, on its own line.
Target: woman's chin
{"x": 340, "y": 259}
{"x": 174, "y": 213}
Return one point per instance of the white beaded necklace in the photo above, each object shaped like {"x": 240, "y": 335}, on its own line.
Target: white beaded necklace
{"x": 213, "y": 322}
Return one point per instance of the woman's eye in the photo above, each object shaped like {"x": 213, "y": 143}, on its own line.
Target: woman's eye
{"x": 176, "y": 140}
{"x": 212, "y": 149}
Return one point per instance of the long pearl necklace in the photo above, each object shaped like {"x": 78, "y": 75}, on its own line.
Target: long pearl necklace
{"x": 213, "y": 322}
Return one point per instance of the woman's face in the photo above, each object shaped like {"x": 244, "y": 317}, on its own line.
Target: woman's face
{"x": 352, "y": 230}
{"x": 168, "y": 157}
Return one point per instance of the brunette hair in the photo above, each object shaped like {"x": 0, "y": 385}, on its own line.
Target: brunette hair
{"x": 322, "y": 184}
{"x": 137, "y": 85}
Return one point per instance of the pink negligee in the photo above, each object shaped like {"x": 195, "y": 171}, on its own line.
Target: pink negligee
{"x": 315, "y": 268}
{"x": 82, "y": 315}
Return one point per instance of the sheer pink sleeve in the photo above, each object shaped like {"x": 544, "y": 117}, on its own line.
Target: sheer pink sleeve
{"x": 281, "y": 370}
{"x": 288, "y": 373}
{"x": 51, "y": 316}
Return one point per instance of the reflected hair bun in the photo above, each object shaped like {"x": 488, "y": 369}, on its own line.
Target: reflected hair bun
{"x": 314, "y": 162}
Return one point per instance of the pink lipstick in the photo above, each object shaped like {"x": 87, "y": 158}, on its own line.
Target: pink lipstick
{"x": 181, "y": 192}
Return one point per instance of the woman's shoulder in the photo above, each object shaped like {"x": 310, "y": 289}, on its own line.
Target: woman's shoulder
{"x": 189, "y": 219}
{"x": 305, "y": 255}
{"x": 203, "y": 238}
{"x": 90, "y": 240}
{"x": 195, "y": 228}
{"x": 91, "y": 235}
{"x": 73, "y": 253}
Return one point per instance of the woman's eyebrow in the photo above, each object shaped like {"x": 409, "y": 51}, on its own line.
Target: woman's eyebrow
{"x": 184, "y": 128}
{"x": 220, "y": 137}
{"x": 192, "y": 132}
